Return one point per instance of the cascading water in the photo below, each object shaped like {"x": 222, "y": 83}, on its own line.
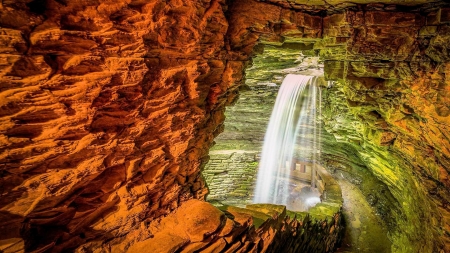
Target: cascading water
{"x": 291, "y": 133}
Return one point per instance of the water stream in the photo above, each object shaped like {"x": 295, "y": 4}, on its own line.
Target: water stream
{"x": 291, "y": 136}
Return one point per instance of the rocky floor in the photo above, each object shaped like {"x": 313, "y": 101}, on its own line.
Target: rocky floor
{"x": 364, "y": 230}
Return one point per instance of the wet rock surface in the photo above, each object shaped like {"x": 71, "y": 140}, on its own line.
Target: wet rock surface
{"x": 364, "y": 229}
{"x": 384, "y": 113}
{"x": 198, "y": 226}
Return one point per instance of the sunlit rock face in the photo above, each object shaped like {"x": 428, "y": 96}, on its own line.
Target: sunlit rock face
{"x": 108, "y": 110}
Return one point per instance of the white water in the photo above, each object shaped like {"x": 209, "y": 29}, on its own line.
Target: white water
{"x": 312, "y": 201}
{"x": 293, "y": 116}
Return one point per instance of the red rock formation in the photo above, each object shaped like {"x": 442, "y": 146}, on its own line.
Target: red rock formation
{"x": 107, "y": 110}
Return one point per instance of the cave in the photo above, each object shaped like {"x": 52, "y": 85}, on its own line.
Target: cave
{"x": 137, "y": 125}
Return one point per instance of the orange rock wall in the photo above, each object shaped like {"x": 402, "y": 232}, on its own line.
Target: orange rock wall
{"x": 108, "y": 109}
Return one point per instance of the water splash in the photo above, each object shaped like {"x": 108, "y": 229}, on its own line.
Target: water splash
{"x": 312, "y": 201}
{"x": 292, "y": 119}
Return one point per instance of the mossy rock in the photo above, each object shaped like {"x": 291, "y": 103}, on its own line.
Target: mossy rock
{"x": 268, "y": 209}
{"x": 324, "y": 211}
{"x": 258, "y": 217}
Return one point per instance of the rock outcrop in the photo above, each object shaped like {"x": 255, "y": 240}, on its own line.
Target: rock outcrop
{"x": 107, "y": 112}
{"x": 198, "y": 226}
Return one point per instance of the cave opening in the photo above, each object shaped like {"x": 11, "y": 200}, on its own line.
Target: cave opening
{"x": 231, "y": 173}
{"x": 232, "y": 169}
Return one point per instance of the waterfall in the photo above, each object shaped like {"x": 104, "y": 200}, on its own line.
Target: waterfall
{"x": 291, "y": 131}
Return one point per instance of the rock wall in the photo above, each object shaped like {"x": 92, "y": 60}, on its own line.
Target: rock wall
{"x": 108, "y": 110}
{"x": 198, "y": 226}
{"x": 395, "y": 116}
{"x": 389, "y": 105}
{"x": 231, "y": 176}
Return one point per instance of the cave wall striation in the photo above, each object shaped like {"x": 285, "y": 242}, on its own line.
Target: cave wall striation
{"x": 108, "y": 109}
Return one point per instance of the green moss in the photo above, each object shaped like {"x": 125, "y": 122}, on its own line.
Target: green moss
{"x": 380, "y": 171}
{"x": 297, "y": 215}
{"x": 268, "y": 209}
{"x": 323, "y": 211}
{"x": 258, "y": 217}
{"x": 253, "y": 164}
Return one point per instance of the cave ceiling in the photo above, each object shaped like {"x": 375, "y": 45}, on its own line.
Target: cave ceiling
{"x": 339, "y": 5}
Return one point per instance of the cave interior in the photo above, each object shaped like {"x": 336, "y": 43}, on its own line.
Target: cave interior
{"x": 137, "y": 125}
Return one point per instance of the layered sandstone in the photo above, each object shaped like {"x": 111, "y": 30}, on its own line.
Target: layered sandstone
{"x": 107, "y": 111}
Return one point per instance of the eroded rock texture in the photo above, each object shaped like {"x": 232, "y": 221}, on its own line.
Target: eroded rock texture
{"x": 232, "y": 168}
{"x": 198, "y": 226}
{"x": 396, "y": 95}
{"x": 108, "y": 109}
